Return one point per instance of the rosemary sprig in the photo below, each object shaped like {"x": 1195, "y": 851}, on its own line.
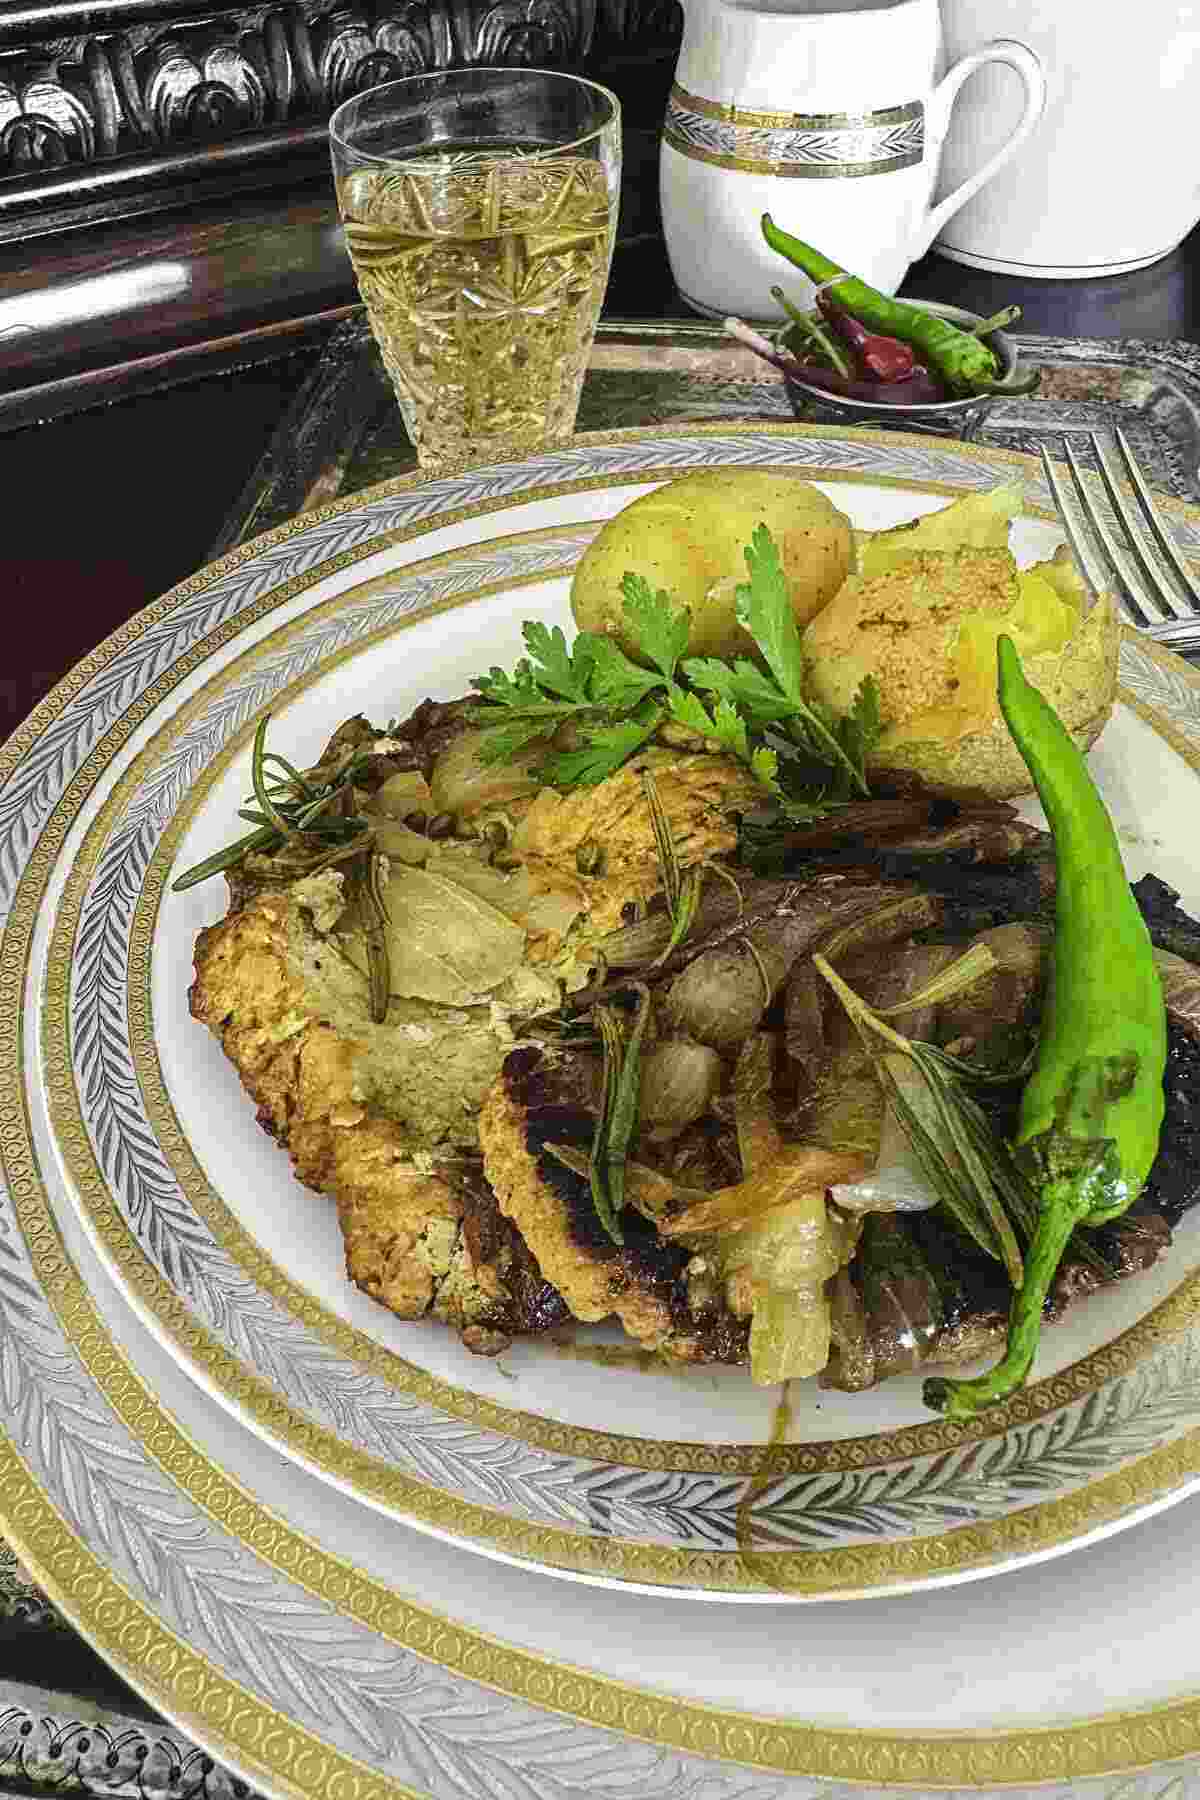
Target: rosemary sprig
{"x": 618, "y": 1118}
{"x": 681, "y": 889}
{"x": 623, "y": 1122}
{"x": 263, "y": 839}
{"x": 614, "y": 1045}
{"x": 311, "y": 811}
{"x": 968, "y": 1168}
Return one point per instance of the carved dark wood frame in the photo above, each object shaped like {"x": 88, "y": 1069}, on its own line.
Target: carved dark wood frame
{"x": 113, "y": 107}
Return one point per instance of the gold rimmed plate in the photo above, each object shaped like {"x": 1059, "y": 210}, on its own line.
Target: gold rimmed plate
{"x": 629, "y": 1478}
{"x": 322, "y": 1649}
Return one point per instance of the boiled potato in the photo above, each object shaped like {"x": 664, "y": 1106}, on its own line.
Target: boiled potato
{"x": 690, "y": 538}
{"x": 926, "y": 629}
{"x": 977, "y": 521}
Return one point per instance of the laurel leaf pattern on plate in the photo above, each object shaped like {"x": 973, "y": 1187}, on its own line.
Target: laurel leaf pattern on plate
{"x": 422, "y": 1725}
{"x": 417, "y": 1723}
{"x": 314, "y": 1379}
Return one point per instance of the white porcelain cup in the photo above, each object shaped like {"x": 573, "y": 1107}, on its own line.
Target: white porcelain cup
{"x": 828, "y": 114}
{"x": 1110, "y": 178}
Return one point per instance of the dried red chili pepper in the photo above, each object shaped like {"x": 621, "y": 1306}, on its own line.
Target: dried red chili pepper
{"x": 918, "y": 389}
{"x": 885, "y": 358}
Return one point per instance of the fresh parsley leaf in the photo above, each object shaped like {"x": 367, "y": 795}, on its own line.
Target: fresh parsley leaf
{"x": 764, "y": 766}
{"x": 815, "y": 732}
{"x": 502, "y": 742}
{"x": 731, "y": 730}
{"x": 517, "y": 689}
{"x": 614, "y": 680}
{"x": 742, "y": 684}
{"x": 662, "y": 629}
{"x": 690, "y": 711}
{"x": 853, "y": 736}
{"x": 863, "y": 726}
{"x": 606, "y": 748}
{"x": 764, "y": 608}
{"x": 555, "y": 667}
{"x": 819, "y": 731}
{"x": 806, "y": 758}
{"x": 724, "y": 724}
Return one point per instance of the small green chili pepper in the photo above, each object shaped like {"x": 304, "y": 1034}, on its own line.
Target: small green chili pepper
{"x": 965, "y": 364}
{"x": 1092, "y": 1110}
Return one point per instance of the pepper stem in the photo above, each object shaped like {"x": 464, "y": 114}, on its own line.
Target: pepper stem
{"x": 962, "y": 1400}
{"x": 814, "y": 332}
{"x": 999, "y": 321}
{"x": 1065, "y": 1203}
{"x": 1028, "y": 384}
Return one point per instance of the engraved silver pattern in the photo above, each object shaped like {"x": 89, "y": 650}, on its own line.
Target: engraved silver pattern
{"x": 402, "y": 1715}
{"x": 813, "y": 147}
{"x": 916, "y": 1497}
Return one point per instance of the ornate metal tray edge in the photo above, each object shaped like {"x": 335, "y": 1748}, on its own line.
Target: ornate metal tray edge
{"x": 342, "y": 431}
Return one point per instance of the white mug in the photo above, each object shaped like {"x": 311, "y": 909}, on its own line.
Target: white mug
{"x": 828, "y": 114}
{"x": 1110, "y": 179}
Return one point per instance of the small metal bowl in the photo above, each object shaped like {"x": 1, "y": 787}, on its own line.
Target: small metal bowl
{"x": 953, "y": 418}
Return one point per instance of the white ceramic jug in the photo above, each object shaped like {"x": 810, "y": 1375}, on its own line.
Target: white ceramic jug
{"x": 828, "y": 114}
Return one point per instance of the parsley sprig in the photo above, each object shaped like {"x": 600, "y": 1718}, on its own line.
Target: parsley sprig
{"x": 806, "y": 758}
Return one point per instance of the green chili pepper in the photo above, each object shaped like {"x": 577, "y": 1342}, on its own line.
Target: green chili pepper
{"x": 965, "y": 364}
{"x": 1092, "y": 1109}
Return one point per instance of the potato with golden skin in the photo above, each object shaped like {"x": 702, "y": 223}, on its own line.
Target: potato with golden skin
{"x": 925, "y": 627}
{"x": 689, "y": 538}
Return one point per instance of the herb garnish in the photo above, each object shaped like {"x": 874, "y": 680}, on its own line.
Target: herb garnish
{"x": 972, "y": 1172}
{"x": 681, "y": 888}
{"x": 805, "y": 757}
{"x": 310, "y": 811}
{"x": 310, "y": 814}
{"x": 617, "y": 1120}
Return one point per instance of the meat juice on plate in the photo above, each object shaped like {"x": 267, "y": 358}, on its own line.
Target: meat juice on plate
{"x": 483, "y": 274}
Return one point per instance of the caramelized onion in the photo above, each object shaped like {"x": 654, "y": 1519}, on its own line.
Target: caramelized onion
{"x": 898, "y": 1182}
{"x": 679, "y": 1081}
{"x": 720, "y": 998}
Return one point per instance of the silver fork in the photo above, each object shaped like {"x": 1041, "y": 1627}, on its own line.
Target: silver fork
{"x": 1160, "y": 592}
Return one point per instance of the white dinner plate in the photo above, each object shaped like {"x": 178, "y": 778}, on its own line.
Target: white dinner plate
{"x": 135, "y": 768}
{"x": 325, "y": 1650}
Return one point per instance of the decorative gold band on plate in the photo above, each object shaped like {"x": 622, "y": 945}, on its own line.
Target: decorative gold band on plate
{"x": 813, "y": 146}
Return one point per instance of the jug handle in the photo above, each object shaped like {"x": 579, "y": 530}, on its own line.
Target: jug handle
{"x": 1022, "y": 60}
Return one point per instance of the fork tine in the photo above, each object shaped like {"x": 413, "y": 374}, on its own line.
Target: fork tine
{"x": 1094, "y": 573}
{"x": 1162, "y": 536}
{"x": 1144, "y": 606}
{"x": 1159, "y": 585}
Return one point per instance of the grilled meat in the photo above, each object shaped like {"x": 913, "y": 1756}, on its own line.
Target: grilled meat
{"x": 389, "y": 1120}
{"x": 542, "y": 1099}
{"x": 422, "y": 1240}
{"x": 382, "y": 1117}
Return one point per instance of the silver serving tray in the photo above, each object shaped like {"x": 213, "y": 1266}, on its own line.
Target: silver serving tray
{"x": 343, "y": 432}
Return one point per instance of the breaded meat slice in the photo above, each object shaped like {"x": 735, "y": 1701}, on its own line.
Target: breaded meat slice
{"x": 647, "y": 1283}
{"x": 422, "y": 1238}
{"x": 608, "y": 828}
